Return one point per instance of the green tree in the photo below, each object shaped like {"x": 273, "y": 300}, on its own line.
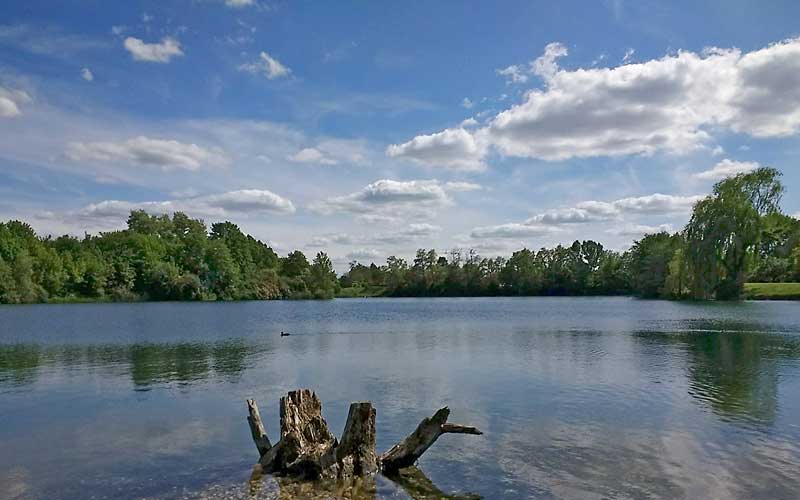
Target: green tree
{"x": 725, "y": 229}
{"x": 321, "y": 278}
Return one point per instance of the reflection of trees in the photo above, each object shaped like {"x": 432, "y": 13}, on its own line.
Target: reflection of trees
{"x": 420, "y": 487}
{"x": 19, "y": 364}
{"x": 733, "y": 367}
{"x": 411, "y": 480}
{"x": 148, "y": 364}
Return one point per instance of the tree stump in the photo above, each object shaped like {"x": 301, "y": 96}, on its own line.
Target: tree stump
{"x": 308, "y": 450}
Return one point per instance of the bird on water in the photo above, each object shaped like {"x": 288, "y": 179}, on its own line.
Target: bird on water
{"x": 284, "y": 334}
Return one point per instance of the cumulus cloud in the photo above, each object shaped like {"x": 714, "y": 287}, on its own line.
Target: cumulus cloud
{"x": 555, "y": 220}
{"x": 267, "y": 65}
{"x": 87, "y": 74}
{"x": 452, "y": 148}
{"x": 11, "y": 100}
{"x": 513, "y": 230}
{"x": 311, "y": 155}
{"x": 364, "y": 253}
{"x": 242, "y": 202}
{"x": 466, "y": 103}
{"x": 329, "y": 239}
{"x": 726, "y": 168}
{"x": 388, "y": 196}
{"x": 332, "y": 152}
{"x": 411, "y": 232}
{"x": 544, "y": 66}
{"x": 657, "y": 204}
{"x": 599, "y": 211}
{"x": 662, "y": 105}
{"x": 148, "y": 152}
{"x": 162, "y": 52}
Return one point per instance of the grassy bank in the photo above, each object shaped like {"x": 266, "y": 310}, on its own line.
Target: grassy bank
{"x": 772, "y": 291}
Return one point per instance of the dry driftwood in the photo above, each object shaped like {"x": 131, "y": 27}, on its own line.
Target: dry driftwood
{"x": 407, "y": 452}
{"x": 308, "y": 450}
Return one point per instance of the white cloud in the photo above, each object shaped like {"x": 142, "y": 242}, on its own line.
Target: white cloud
{"x": 466, "y": 103}
{"x": 411, "y": 232}
{"x": 514, "y": 73}
{"x": 364, "y": 253}
{"x": 469, "y": 122}
{"x": 545, "y": 65}
{"x": 242, "y": 202}
{"x": 598, "y": 211}
{"x": 628, "y": 57}
{"x": 451, "y": 148}
{"x": 117, "y": 30}
{"x": 329, "y": 239}
{"x": 11, "y": 100}
{"x": 87, "y": 74}
{"x": 512, "y": 230}
{"x": 153, "y": 52}
{"x": 311, "y": 155}
{"x": 663, "y": 105}
{"x": 239, "y": 3}
{"x": 8, "y": 108}
{"x": 726, "y": 168}
{"x": 461, "y": 186}
{"x": 591, "y": 211}
{"x": 332, "y": 152}
{"x": 269, "y": 66}
{"x": 388, "y": 195}
{"x": 149, "y": 152}
{"x": 657, "y": 203}
{"x": 572, "y": 215}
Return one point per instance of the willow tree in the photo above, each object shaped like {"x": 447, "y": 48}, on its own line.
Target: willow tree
{"x": 725, "y": 229}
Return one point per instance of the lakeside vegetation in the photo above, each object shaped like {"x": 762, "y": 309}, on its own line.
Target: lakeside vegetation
{"x": 772, "y": 291}
{"x": 735, "y": 235}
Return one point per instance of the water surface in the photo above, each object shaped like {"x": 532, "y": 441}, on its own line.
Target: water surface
{"x": 578, "y": 397}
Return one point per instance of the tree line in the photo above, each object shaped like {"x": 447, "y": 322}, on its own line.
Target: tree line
{"x": 736, "y": 234}
{"x": 155, "y": 258}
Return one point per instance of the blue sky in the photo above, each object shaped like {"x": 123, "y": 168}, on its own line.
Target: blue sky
{"x": 372, "y": 128}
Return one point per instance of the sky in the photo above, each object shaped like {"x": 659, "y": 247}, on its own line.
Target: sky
{"x": 369, "y": 129}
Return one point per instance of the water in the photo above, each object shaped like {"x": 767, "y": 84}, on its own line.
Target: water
{"x": 578, "y": 397}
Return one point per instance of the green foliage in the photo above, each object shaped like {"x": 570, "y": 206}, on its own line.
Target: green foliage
{"x": 584, "y": 268}
{"x": 650, "y": 263}
{"x": 772, "y": 291}
{"x": 735, "y": 234}
{"x": 155, "y": 258}
{"x": 725, "y": 231}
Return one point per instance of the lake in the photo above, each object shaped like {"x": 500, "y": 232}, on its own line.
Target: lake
{"x": 577, "y": 397}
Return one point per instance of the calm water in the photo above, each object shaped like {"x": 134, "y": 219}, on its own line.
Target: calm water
{"x": 578, "y": 397}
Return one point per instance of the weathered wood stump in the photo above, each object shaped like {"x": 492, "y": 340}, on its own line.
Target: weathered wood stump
{"x": 308, "y": 450}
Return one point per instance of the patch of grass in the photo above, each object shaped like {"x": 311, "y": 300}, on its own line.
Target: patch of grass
{"x": 772, "y": 291}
